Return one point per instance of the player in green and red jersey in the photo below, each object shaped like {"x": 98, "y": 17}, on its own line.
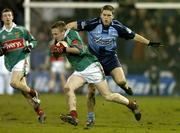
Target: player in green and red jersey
{"x": 15, "y": 44}
{"x": 87, "y": 70}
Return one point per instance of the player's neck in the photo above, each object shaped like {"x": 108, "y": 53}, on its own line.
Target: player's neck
{"x": 9, "y": 25}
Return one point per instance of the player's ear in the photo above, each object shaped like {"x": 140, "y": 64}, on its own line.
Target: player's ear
{"x": 101, "y": 14}
{"x": 112, "y": 16}
{"x": 12, "y": 15}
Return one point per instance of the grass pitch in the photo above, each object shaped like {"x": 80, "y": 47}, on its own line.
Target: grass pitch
{"x": 159, "y": 115}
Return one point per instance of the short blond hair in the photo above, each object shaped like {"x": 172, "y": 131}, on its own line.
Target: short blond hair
{"x": 61, "y": 25}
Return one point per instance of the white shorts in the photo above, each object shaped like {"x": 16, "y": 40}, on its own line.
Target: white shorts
{"x": 3, "y": 69}
{"x": 58, "y": 66}
{"x": 22, "y": 65}
{"x": 92, "y": 74}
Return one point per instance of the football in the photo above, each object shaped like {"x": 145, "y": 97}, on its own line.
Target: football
{"x": 56, "y": 51}
{"x": 58, "y": 48}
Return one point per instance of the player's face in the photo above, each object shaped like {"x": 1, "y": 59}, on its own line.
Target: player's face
{"x": 107, "y": 17}
{"x": 7, "y": 18}
{"x": 57, "y": 34}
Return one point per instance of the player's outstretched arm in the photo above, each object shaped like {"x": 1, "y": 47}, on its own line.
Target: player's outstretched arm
{"x": 143, "y": 40}
{"x": 72, "y": 25}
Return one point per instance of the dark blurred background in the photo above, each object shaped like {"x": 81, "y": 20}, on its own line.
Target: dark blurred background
{"x": 141, "y": 63}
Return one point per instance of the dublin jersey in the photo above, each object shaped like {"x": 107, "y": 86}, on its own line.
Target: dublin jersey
{"x": 101, "y": 39}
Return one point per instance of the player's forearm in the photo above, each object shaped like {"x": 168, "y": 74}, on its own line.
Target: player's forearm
{"x": 33, "y": 43}
{"x": 72, "y": 50}
{"x": 72, "y": 25}
{"x": 141, "y": 39}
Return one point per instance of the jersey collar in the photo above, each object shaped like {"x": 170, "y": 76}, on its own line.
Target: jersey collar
{"x": 9, "y": 30}
{"x": 67, "y": 31}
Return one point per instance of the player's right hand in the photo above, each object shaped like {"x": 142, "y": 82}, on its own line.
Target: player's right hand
{"x": 155, "y": 44}
{"x": 2, "y": 51}
{"x": 27, "y": 49}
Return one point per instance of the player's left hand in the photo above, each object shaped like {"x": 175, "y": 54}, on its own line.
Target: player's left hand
{"x": 27, "y": 49}
{"x": 62, "y": 43}
{"x": 58, "y": 48}
{"x": 155, "y": 44}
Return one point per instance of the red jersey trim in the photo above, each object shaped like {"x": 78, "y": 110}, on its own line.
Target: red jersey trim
{"x": 13, "y": 44}
{"x": 56, "y": 59}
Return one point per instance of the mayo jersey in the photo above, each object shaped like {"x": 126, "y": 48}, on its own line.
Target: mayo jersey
{"x": 102, "y": 39}
{"x": 85, "y": 58}
{"x": 14, "y": 40}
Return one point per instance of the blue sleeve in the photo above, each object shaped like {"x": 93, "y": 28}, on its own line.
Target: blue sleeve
{"x": 87, "y": 25}
{"x": 123, "y": 31}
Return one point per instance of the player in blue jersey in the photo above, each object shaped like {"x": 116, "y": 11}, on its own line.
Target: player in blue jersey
{"x": 102, "y": 34}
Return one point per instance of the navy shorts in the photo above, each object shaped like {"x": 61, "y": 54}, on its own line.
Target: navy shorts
{"x": 108, "y": 61}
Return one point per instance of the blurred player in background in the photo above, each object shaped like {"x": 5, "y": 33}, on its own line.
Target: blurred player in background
{"x": 87, "y": 70}
{"x": 5, "y": 87}
{"x": 102, "y": 34}
{"x": 15, "y": 44}
{"x": 153, "y": 74}
{"x": 57, "y": 68}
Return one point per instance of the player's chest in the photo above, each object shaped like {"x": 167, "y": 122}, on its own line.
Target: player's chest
{"x": 12, "y": 40}
{"x": 103, "y": 37}
{"x": 15, "y": 34}
{"x": 104, "y": 33}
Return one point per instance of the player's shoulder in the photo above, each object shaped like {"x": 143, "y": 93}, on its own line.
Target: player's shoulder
{"x": 1, "y": 29}
{"x": 93, "y": 21}
{"x": 115, "y": 22}
{"x": 97, "y": 19}
{"x": 71, "y": 32}
{"x": 19, "y": 27}
{"x": 118, "y": 25}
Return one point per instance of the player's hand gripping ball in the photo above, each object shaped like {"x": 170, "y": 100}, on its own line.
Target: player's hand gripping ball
{"x": 58, "y": 48}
